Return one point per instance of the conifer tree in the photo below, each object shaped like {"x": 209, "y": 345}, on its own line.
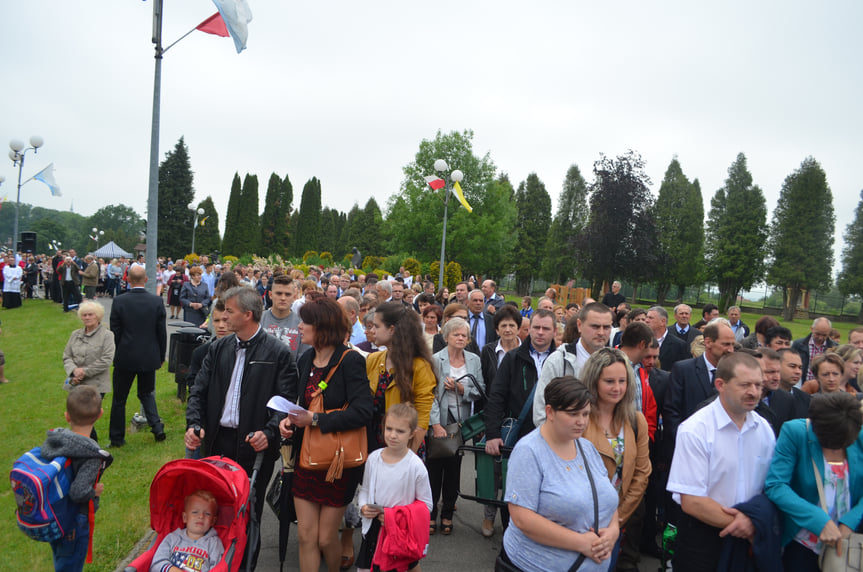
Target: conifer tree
{"x": 679, "y": 217}
{"x": 801, "y": 235}
{"x": 231, "y": 241}
{"x": 283, "y": 229}
{"x": 569, "y": 222}
{"x": 851, "y": 277}
{"x": 308, "y": 228}
{"x": 207, "y": 240}
{"x": 176, "y": 193}
{"x": 250, "y": 227}
{"x": 533, "y": 208}
{"x": 736, "y": 234}
{"x": 270, "y": 217}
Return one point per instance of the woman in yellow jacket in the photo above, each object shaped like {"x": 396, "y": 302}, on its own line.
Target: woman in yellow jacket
{"x": 620, "y": 435}
{"x": 403, "y": 372}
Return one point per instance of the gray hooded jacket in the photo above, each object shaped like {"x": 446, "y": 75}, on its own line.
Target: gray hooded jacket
{"x": 87, "y": 459}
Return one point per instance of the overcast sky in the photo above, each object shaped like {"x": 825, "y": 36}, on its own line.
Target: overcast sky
{"x": 345, "y": 91}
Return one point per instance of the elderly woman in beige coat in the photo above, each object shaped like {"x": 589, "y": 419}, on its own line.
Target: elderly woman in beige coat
{"x": 90, "y": 351}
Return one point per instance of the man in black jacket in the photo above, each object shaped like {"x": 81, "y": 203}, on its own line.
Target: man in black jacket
{"x": 227, "y": 410}
{"x": 140, "y": 338}
{"x": 517, "y": 375}
{"x": 671, "y": 348}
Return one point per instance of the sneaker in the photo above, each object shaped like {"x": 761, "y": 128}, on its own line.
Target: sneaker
{"x": 488, "y": 528}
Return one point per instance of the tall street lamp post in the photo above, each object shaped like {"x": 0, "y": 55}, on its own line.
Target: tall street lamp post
{"x": 198, "y": 212}
{"x": 16, "y": 153}
{"x": 455, "y": 177}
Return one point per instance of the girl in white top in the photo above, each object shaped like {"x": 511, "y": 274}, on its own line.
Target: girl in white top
{"x": 394, "y": 476}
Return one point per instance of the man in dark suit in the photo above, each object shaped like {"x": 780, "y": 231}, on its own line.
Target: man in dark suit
{"x": 140, "y": 338}
{"x": 671, "y": 348}
{"x": 660, "y": 453}
{"x": 776, "y": 406}
{"x": 682, "y": 328}
{"x": 692, "y": 380}
{"x": 790, "y": 371}
{"x": 813, "y": 345}
{"x": 481, "y": 322}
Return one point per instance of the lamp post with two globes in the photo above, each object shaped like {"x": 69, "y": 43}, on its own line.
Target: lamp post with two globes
{"x": 198, "y": 212}
{"x": 456, "y": 176}
{"x": 96, "y": 234}
{"x": 16, "y": 153}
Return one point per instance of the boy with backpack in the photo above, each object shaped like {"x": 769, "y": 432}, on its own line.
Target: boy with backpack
{"x": 83, "y": 464}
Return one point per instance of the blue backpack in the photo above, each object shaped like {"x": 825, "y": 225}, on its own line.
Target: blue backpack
{"x": 41, "y": 488}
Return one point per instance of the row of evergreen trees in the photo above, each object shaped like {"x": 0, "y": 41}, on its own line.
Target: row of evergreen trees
{"x": 611, "y": 228}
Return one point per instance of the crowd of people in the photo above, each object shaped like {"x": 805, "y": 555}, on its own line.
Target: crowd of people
{"x": 615, "y": 421}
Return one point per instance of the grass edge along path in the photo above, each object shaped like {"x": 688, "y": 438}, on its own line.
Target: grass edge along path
{"x": 33, "y": 338}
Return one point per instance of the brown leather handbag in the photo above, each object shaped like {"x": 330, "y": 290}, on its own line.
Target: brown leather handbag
{"x": 336, "y": 450}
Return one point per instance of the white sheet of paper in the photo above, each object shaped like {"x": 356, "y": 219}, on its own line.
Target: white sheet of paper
{"x": 282, "y": 405}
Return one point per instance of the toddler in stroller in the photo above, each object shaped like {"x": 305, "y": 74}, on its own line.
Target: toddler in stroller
{"x": 227, "y": 483}
{"x": 197, "y": 547}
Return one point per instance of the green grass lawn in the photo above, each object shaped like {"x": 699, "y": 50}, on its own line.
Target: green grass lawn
{"x": 33, "y": 338}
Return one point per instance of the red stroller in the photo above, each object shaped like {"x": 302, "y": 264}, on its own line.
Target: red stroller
{"x": 226, "y": 480}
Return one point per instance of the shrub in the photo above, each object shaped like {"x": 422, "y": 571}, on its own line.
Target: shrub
{"x": 412, "y": 265}
{"x": 308, "y": 255}
{"x": 192, "y": 259}
{"x": 370, "y": 262}
{"x": 452, "y": 275}
{"x": 326, "y": 258}
{"x": 232, "y": 259}
{"x": 434, "y": 270}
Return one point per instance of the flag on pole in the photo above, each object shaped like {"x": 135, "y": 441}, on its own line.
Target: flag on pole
{"x": 458, "y": 193}
{"x": 46, "y": 175}
{"x": 434, "y": 182}
{"x": 236, "y": 15}
{"x": 214, "y": 25}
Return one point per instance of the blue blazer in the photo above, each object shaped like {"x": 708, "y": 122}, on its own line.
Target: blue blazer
{"x": 791, "y": 483}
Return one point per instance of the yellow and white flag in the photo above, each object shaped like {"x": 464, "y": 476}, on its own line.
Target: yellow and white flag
{"x": 456, "y": 188}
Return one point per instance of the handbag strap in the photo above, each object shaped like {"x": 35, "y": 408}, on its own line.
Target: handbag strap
{"x": 818, "y": 481}
{"x": 581, "y": 557}
{"x": 332, "y": 371}
{"x": 528, "y": 405}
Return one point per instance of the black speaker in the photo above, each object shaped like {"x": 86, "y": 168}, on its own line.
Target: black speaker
{"x": 28, "y": 242}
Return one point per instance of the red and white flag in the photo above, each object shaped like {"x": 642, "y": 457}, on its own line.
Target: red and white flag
{"x": 214, "y": 25}
{"x": 435, "y": 182}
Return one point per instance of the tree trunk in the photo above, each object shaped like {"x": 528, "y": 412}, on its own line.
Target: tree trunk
{"x": 661, "y": 293}
{"x": 727, "y": 293}
{"x": 596, "y": 288}
{"x": 634, "y": 292}
{"x": 681, "y": 290}
{"x": 860, "y": 315}
{"x": 790, "y": 302}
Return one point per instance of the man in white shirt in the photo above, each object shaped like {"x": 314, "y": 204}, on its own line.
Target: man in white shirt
{"x": 720, "y": 460}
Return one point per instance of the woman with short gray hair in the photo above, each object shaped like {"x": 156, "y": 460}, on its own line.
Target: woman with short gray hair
{"x": 90, "y": 351}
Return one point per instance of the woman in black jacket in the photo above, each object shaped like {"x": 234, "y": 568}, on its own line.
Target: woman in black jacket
{"x": 321, "y": 505}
